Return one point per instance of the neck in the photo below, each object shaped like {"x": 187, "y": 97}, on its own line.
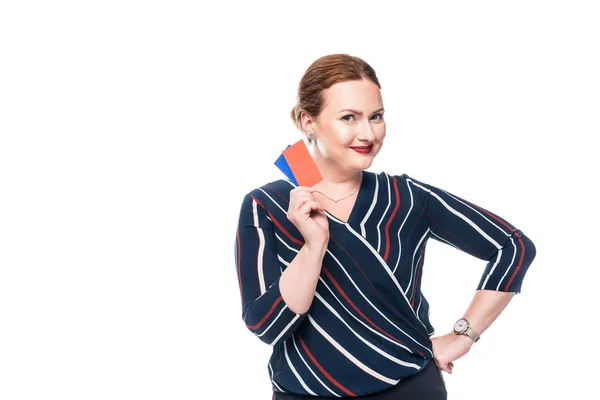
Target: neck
{"x": 336, "y": 181}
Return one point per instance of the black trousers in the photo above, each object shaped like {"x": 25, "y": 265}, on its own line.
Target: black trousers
{"x": 427, "y": 384}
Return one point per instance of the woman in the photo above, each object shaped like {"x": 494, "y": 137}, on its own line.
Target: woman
{"x": 330, "y": 275}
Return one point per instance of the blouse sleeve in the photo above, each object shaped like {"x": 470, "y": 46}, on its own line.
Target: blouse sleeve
{"x": 258, "y": 269}
{"x": 480, "y": 233}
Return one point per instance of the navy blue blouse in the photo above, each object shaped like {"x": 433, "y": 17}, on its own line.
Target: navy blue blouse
{"x": 368, "y": 326}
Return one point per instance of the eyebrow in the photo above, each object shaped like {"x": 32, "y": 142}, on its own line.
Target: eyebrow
{"x": 358, "y": 112}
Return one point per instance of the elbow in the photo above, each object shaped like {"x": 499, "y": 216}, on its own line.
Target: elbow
{"x": 528, "y": 253}
{"x": 263, "y": 336}
{"x": 506, "y": 270}
{"x": 258, "y": 329}
{"x": 275, "y": 326}
{"x": 524, "y": 246}
{"x": 267, "y": 334}
{"x": 529, "y": 249}
{"x": 263, "y": 328}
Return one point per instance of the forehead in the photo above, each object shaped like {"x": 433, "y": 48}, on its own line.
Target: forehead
{"x": 361, "y": 95}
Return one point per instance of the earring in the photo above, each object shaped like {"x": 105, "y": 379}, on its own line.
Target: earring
{"x": 311, "y": 136}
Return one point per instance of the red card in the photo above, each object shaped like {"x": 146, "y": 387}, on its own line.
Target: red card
{"x": 302, "y": 164}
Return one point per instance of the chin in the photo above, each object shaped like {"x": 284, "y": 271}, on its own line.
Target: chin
{"x": 365, "y": 163}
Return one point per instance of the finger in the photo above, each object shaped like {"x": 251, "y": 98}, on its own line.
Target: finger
{"x": 298, "y": 198}
{"x": 319, "y": 201}
{"x": 305, "y": 198}
{"x": 444, "y": 367}
{"x": 440, "y": 365}
{"x": 310, "y": 205}
{"x": 299, "y": 208}
{"x": 312, "y": 195}
{"x": 299, "y": 189}
{"x": 305, "y": 195}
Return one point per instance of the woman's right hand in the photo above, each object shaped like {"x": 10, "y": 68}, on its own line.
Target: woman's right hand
{"x": 308, "y": 215}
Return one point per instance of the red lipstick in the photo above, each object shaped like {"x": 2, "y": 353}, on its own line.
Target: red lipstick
{"x": 363, "y": 149}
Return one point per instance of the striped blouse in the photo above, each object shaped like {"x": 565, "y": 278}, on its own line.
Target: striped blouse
{"x": 368, "y": 325}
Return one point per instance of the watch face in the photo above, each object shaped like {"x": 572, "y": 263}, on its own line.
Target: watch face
{"x": 460, "y": 325}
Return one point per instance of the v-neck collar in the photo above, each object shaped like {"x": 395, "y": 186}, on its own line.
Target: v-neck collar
{"x": 359, "y": 203}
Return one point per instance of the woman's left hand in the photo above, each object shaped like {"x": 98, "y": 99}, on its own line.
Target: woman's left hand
{"x": 448, "y": 348}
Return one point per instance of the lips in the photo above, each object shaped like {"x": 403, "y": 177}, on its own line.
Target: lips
{"x": 363, "y": 149}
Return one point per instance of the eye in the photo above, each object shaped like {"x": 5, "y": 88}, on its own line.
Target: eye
{"x": 349, "y": 115}
{"x": 380, "y": 116}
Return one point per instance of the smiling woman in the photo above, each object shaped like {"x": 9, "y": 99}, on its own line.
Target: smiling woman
{"x": 341, "y": 109}
{"x": 330, "y": 276}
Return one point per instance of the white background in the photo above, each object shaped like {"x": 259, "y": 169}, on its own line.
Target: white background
{"x": 130, "y": 132}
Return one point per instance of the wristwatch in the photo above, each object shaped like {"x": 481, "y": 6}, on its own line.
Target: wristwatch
{"x": 461, "y": 327}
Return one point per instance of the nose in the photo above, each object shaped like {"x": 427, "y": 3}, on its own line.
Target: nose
{"x": 366, "y": 133}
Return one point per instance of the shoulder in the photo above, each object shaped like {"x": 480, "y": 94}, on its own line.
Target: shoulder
{"x": 276, "y": 187}
{"x": 407, "y": 183}
{"x": 274, "y": 193}
{"x": 405, "y": 179}
{"x": 416, "y": 183}
{"x": 382, "y": 176}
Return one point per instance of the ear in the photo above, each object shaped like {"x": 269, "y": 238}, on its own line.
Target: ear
{"x": 308, "y": 123}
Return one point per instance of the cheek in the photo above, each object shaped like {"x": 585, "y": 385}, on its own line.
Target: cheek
{"x": 343, "y": 136}
{"x": 380, "y": 131}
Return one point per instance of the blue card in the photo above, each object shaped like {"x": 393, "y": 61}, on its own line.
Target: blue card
{"x": 282, "y": 164}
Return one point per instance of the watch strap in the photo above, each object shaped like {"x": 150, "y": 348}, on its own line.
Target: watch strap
{"x": 472, "y": 334}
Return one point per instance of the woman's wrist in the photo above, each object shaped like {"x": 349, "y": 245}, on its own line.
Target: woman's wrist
{"x": 319, "y": 247}
{"x": 464, "y": 339}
